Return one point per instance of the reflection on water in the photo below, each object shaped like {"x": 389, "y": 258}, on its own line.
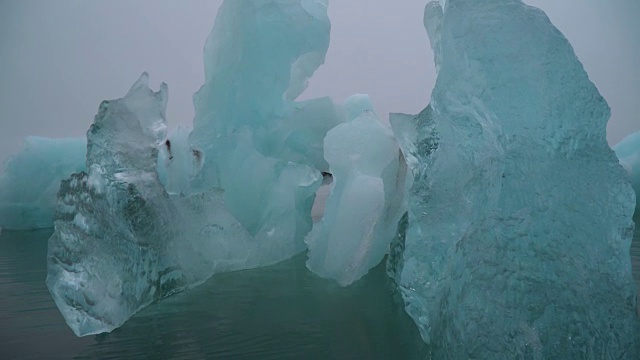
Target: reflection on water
{"x": 279, "y": 312}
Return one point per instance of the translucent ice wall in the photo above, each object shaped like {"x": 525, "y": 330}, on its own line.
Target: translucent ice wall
{"x": 628, "y": 151}
{"x": 261, "y": 147}
{"x": 113, "y": 222}
{"x": 156, "y": 214}
{"x": 31, "y": 179}
{"x": 519, "y": 223}
{"x": 122, "y": 241}
{"x": 366, "y": 199}
{"x": 258, "y": 59}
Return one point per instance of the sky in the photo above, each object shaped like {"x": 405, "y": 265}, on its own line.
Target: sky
{"x": 60, "y": 59}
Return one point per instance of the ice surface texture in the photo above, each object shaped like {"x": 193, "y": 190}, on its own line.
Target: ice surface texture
{"x": 31, "y": 179}
{"x": 628, "y": 151}
{"x": 366, "y": 199}
{"x": 113, "y": 222}
{"x": 155, "y": 214}
{"x": 519, "y": 214}
{"x": 122, "y": 241}
{"x": 261, "y": 147}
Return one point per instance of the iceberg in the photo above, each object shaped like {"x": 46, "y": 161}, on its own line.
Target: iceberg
{"x": 153, "y": 214}
{"x": 258, "y": 144}
{"x": 31, "y": 179}
{"x": 520, "y": 217}
{"x": 506, "y": 217}
{"x": 366, "y": 198}
{"x": 106, "y": 258}
{"x": 628, "y": 152}
{"x": 121, "y": 241}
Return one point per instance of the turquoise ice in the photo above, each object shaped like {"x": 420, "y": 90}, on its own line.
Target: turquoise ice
{"x": 157, "y": 213}
{"x": 520, "y": 217}
{"x": 178, "y": 163}
{"x": 512, "y": 242}
{"x": 122, "y": 241}
{"x": 113, "y": 222}
{"x": 366, "y": 199}
{"x": 258, "y": 144}
{"x": 31, "y": 179}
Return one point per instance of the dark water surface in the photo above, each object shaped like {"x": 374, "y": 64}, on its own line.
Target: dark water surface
{"x": 278, "y": 312}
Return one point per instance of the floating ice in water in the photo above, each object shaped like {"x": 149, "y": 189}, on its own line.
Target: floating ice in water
{"x": 366, "y": 199}
{"x": 31, "y": 180}
{"x": 155, "y": 215}
{"x": 516, "y": 239}
{"x": 114, "y": 224}
{"x": 121, "y": 241}
{"x": 519, "y": 214}
{"x": 628, "y": 151}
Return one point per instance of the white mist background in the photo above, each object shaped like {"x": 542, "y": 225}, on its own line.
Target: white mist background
{"x": 60, "y": 59}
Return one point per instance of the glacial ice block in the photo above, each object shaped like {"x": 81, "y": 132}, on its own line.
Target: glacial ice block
{"x": 258, "y": 59}
{"x": 113, "y": 222}
{"x": 628, "y": 151}
{"x": 366, "y": 199}
{"x": 122, "y": 241}
{"x": 31, "y": 179}
{"x": 257, "y": 143}
{"x": 520, "y": 218}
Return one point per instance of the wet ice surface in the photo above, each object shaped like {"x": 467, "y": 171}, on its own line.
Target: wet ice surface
{"x": 278, "y": 312}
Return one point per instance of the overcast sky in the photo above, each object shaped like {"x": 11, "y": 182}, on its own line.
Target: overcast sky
{"x": 60, "y": 59}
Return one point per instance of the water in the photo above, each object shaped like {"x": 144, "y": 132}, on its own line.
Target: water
{"x": 279, "y": 312}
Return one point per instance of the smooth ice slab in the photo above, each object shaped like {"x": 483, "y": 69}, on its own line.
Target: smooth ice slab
{"x": 628, "y": 151}
{"x": 519, "y": 223}
{"x": 31, "y": 180}
{"x": 366, "y": 199}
